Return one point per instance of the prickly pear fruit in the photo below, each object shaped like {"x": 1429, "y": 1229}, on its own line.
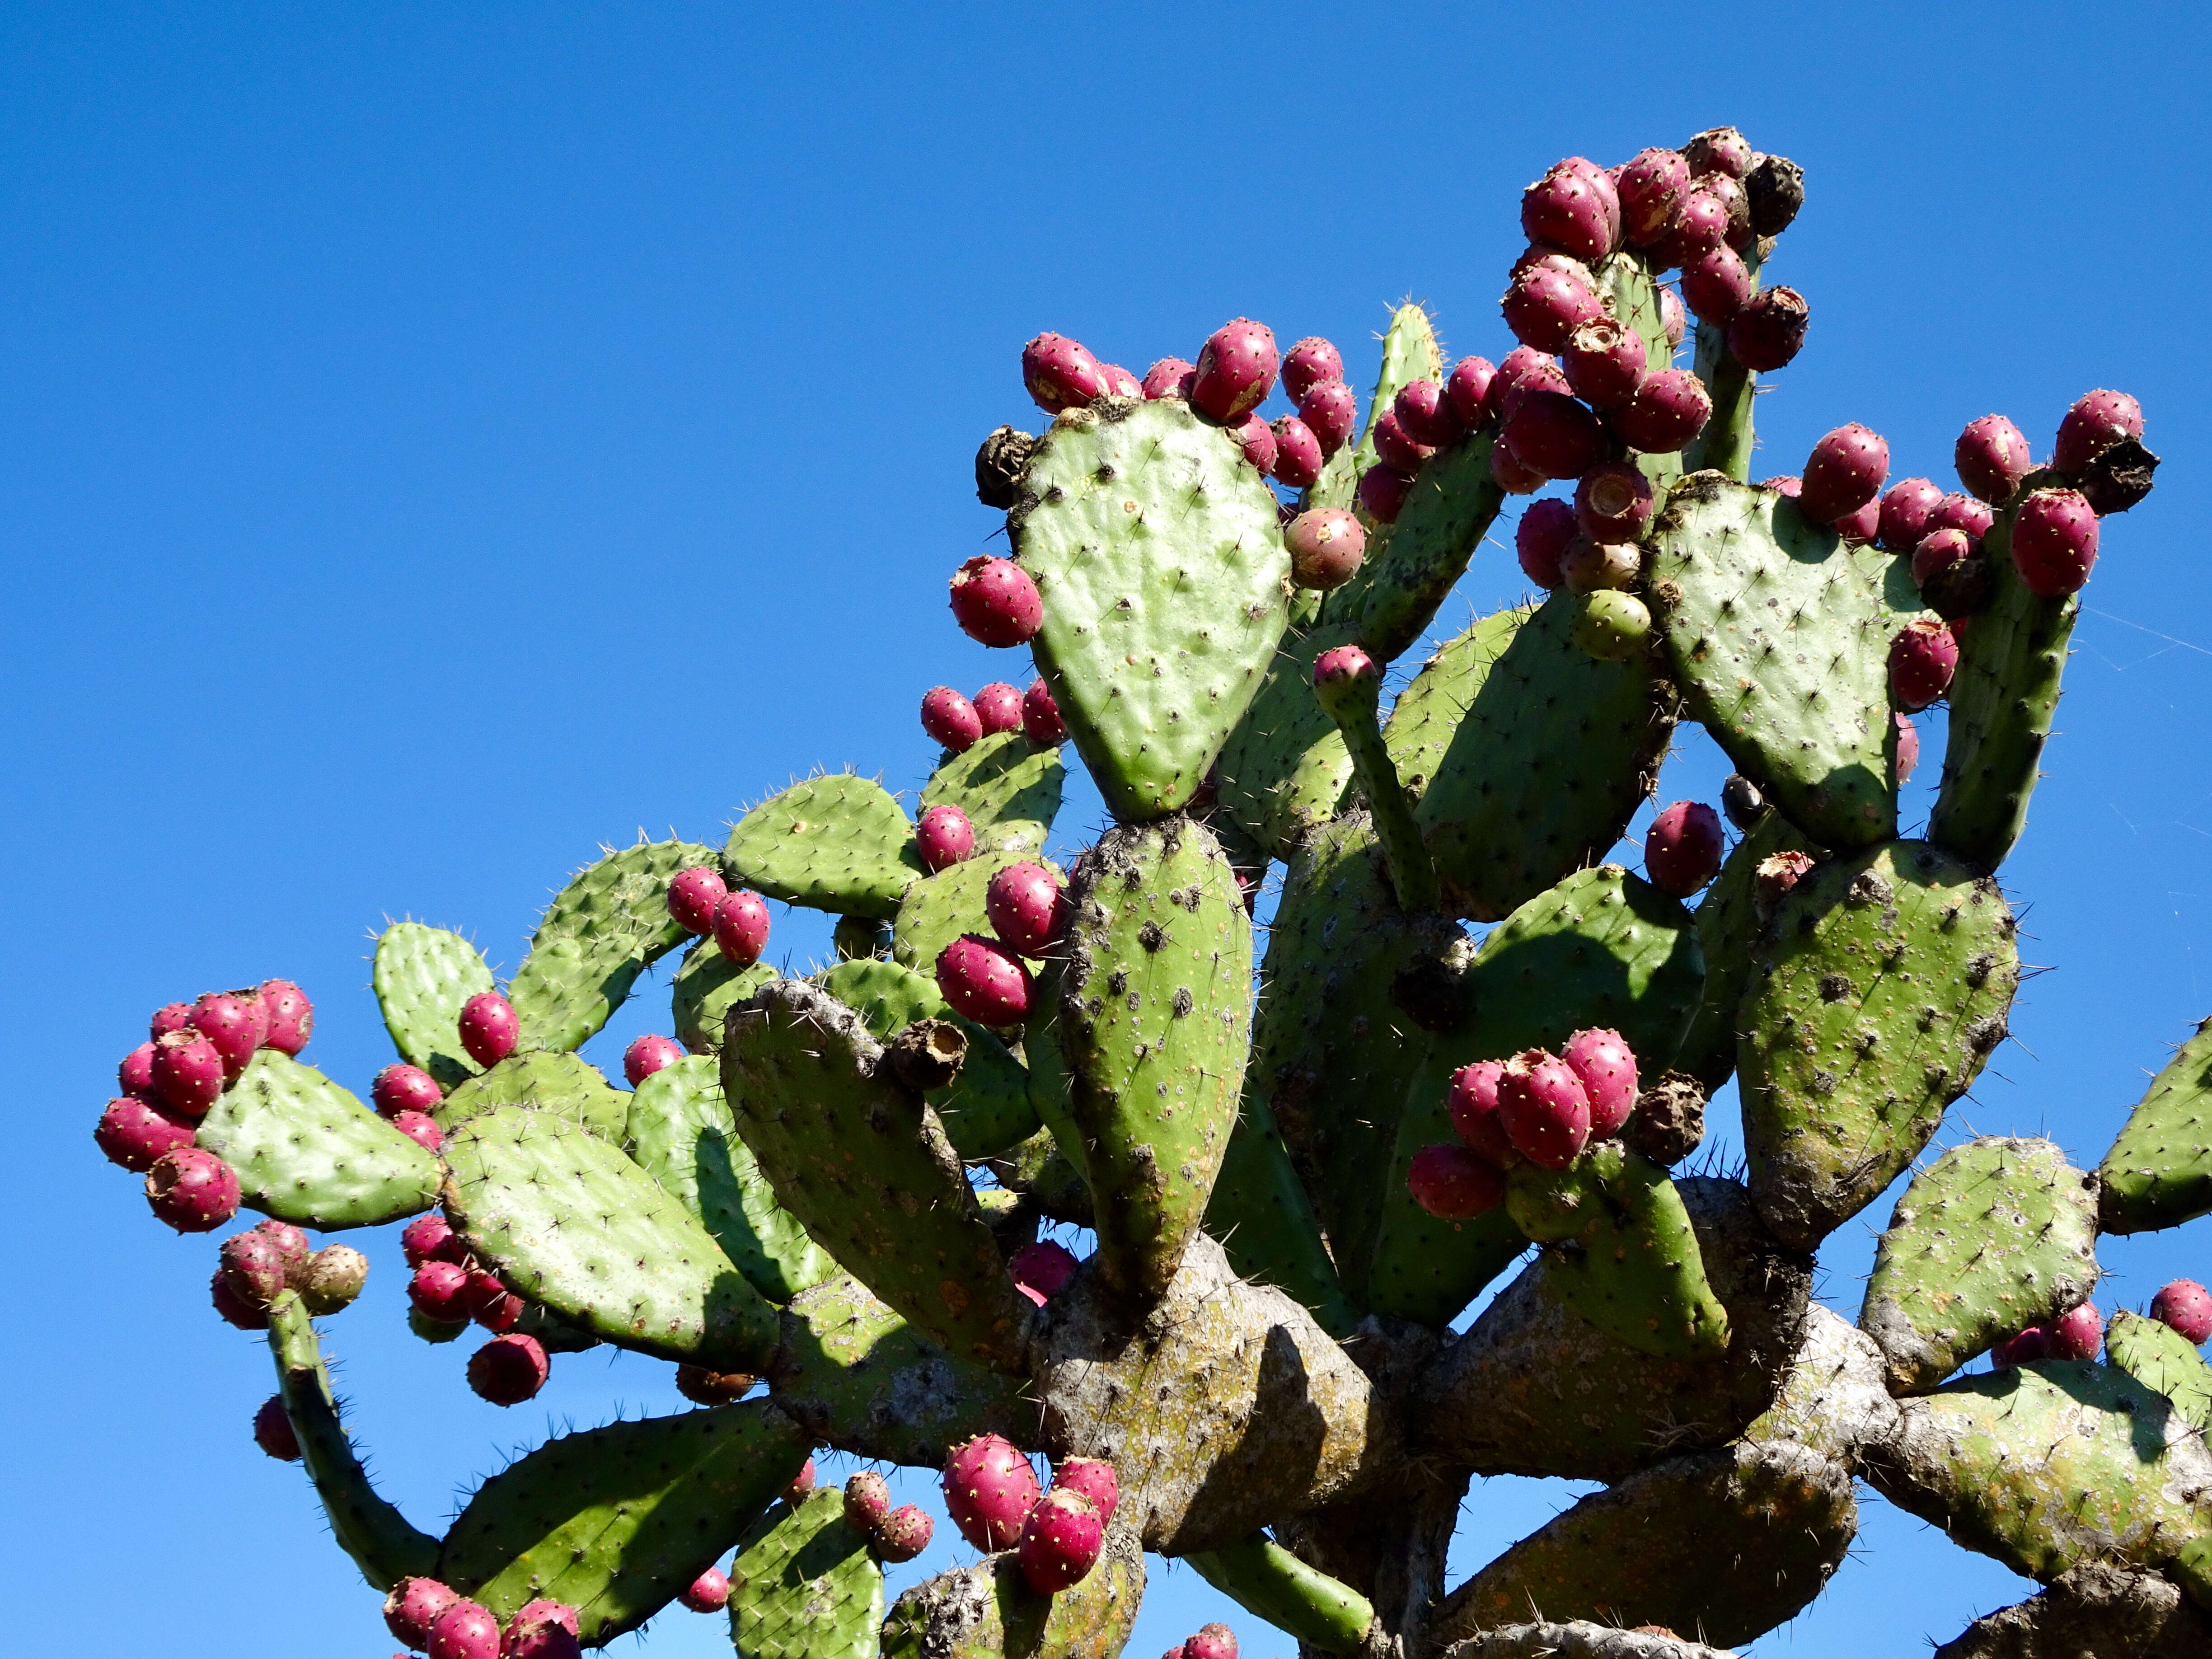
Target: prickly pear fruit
{"x": 429, "y": 1238}
{"x": 1473, "y": 1104}
{"x": 2186, "y": 1306}
{"x": 801, "y": 1484}
{"x": 995, "y": 603}
{"x": 1591, "y": 565}
{"x": 1922, "y": 660}
{"x": 1327, "y": 545}
{"x": 541, "y": 1629}
{"x": 1544, "y": 306}
{"x": 508, "y": 1369}
{"x": 1120, "y": 383}
{"x": 2076, "y": 1334}
{"x": 1452, "y": 1183}
{"x": 2054, "y": 541}
{"x": 1574, "y": 208}
{"x": 1394, "y": 445}
{"x": 1611, "y": 626}
{"x": 694, "y": 893}
{"x": 1775, "y": 877}
{"x": 1908, "y": 747}
{"x": 1905, "y": 509}
{"x": 1542, "y": 539}
{"x": 1022, "y": 903}
{"x": 291, "y": 1015}
{"x": 1095, "y": 1478}
{"x": 439, "y": 1291}
{"x": 1962, "y": 512}
{"x": 1718, "y": 149}
{"x": 1330, "y": 410}
{"x": 413, "y": 1607}
{"x": 867, "y": 1501}
{"x": 2097, "y": 421}
{"x": 998, "y": 707}
{"x": 134, "y": 1075}
{"x": 194, "y": 1191}
{"x": 1298, "y": 459}
{"x": 234, "y": 1312}
{"x": 1701, "y": 224}
{"x": 1604, "y": 361}
{"x": 1992, "y": 457}
{"x": 253, "y": 1267}
{"x": 1652, "y": 186}
{"x": 1060, "y": 374}
{"x": 234, "y": 1021}
{"x": 1776, "y": 189}
{"x": 1041, "y": 722}
{"x": 1554, "y": 433}
{"x": 1236, "y": 370}
{"x": 647, "y": 1054}
{"x": 944, "y": 838}
{"x": 1768, "y": 333}
{"x": 989, "y": 1490}
{"x": 1257, "y": 440}
{"x": 1215, "y": 1641}
{"x": 1344, "y": 677}
{"x": 983, "y": 980}
{"x": 1168, "y": 377}
{"x": 704, "y": 1387}
{"x": 1614, "y": 503}
{"x": 2021, "y": 1348}
{"x": 135, "y": 1133}
{"x": 1061, "y": 1541}
{"x": 1938, "y": 550}
{"x": 708, "y": 1593}
{"x": 1307, "y": 364}
{"x": 1425, "y": 415}
{"x": 1716, "y": 286}
{"x": 1846, "y": 471}
{"x": 950, "y": 719}
{"x": 1043, "y": 1269}
{"x": 1669, "y": 408}
{"x": 188, "y": 1072}
{"x": 741, "y": 926}
{"x": 400, "y": 1087}
{"x": 1382, "y": 492}
{"x": 1683, "y": 848}
{"x": 1673, "y": 322}
{"x": 1545, "y": 1108}
{"x": 1467, "y": 389}
{"x": 1859, "y": 529}
{"x": 1607, "y": 1066}
{"x": 905, "y": 1533}
{"x": 464, "y": 1631}
{"x": 273, "y": 1432}
{"x": 169, "y": 1016}
{"x": 489, "y": 1027}
{"x": 332, "y": 1278}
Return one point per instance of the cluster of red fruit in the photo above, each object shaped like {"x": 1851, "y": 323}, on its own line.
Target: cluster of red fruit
{"x": 428, "y": 1617}
{"x": 2184, "y": 1306}
{"x": 960, "y": 723}
{"x": 1215, "y": 1641}
{"x": 450, "y": 1288}
{"x": 982, "y": 975}
{"x": 898, "y": 1534}
{"x": 991, "y": 1494}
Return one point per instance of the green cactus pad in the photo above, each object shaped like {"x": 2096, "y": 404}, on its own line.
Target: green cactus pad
{"x": 604, "y": 929}
{"x": 1412, "y": 564}
{"x": 380, "y": 1539}
{"x": 941, "y": 907}
{"x": 1631, "y": 292}
{"x": 1882, "y": 993}
{"x": 866, "y": 1166}
{"x": 987, "y": 1612}
{"x": 1009, "y": 789}
{"x": 836, "y": 842}
{"x": 1302, "y": 1601}
{"x": 803, "y": 1585}
{"x": 2159, "y": 1172}
{"x": 987, "y": 1109}
{"x": 1410, "y": 352}
{"x": 2049, "y": 1464}
{"x": 307, "y": 1151}
{"x": 1776, "y": 636}
{"x": 565, "y": 1085}
{"x": 1429, "y": 711}
{"x": 2002, "y": 699}
{"x": 616, "y": 1520}
{"x": 708, "y": 986}
{"x": 1555, "y": 752}
{"x": 1726, "y": 443}
{"x": 424, "y": 976}
{"x": 1413, "y": 877}
{"x": 1284, "y": 769}
{"x": 2162, "y": 1360}
{"x": 1260, "y": 1212}
{"x": 1994, "y": 1236}
{"x": 566, "y": 1219}
{"x": 1729, "y": 927}
{"x": 1156, "y": 548}
{"x": 1153, "y": 1019}
{"x": 1895, "y": 592}
{"x": 681, "y": 1133}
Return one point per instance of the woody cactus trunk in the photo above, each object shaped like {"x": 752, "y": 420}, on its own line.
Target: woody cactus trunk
{"x": 1300, "y": 1152}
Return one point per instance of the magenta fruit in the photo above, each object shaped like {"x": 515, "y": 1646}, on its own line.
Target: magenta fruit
{"x": 1257, "y": 440}
{"x": 1607, "y": 1066}
{"x": 1669, "y": 409}
{"x": 489, "y": 1027}
{"x": 169, "y": 1016}
{"x": 1716, "y": 286}
{"x": 234, "y": 1021}
{"x": 1775, "y": 876}
{"x": 293, "y": 1250}
{"x": 1961, "y": 512}
{"x": 1770, "y": 332}
{"x": 137, "y": 1132}
{"x": 1330, "y": 410}
{"x": 1937, "y": 549}
{"x": 440, "y": 1290}
{"x": 1545, "y": 1108}
{"x": 1992, "y": 457}
{"x": 1454, "y": 1184}
{"x": 1540, "y": 540}
{"x": 1701, "y": 224}
{"x": 1510, "y": 476}
{"x": 1298, "y": 459}
{"x": 1683, "y": 847}
{"x": 134, "y": 1075}
{"x": 2097, "y": 421}
{"x": 490, "y": 1304}
{"x": 253, "y": 1267}
{"x": 508, "y": 1369}
{"x": 1343, "y": 667}
{"x": 944, "y": 838}
{"x": 1846, "y": 471}
{"x": 1426, "y": 413}
{"x": 1043, "y": 1266}
{"x": 1120, "y": 383}
{"x": 1922, "y": 660}
{"x": 273, "y": 1431}
{"x": 1168, "y": 377}
{"x": 2021, "y": 1348}
{"x": 949, "y": 719}
{"x": 708, "y": 1593}
{"x": 1060, "y": 374}
{"x": 1614, "y": 503}
{"x": 193, "y": 1191}
{"x": 1552, "y": 433}
{"x": 1905, "y": 509}
{"x": 1604, "y": 362}
{"x": 741, "y": 926}
{"x": 1652, "y": 186}
{"x": 2184, "y": 1306}
{"x": 429, "y": 1238}
{"x": 1859, "y": 529}
{"x": 983, "y": 980}
{"x": 1546, "y": 375}
{"x": 998, "y": 708}
{"x": 291, "y": 1015}
{"x": 2054, "y": 541}
{"x": 541, "y": 1629}
{"x": 1575, "y": 207}
{"x": 647, "y": 1054}
{"x": 1544, "y": 306}
{"x": 1308, "y": 364}
{"x": 413, "y": 1607}
{"x": 1327, "y": 546}
{"x": 1382, "y": 492}
{"x": 1061, "y": 1541}
{"x": 400, "y": 1087}
{"x": 1908, "y": 747}
{"x": 905, "y": 1533}
{"x": 867, "y": 1501}
{"x": 1520, "y": 362}
{"x": 694, "y": 893}
{"x": 1041, "y": 722}
{"x": 1735, "y": 203}
{"x": 2074, "y": 1335}
{"x": 995, "y": 603}
{"x": 1095, "y": 1478}
{"x": 1215, "y": 1641}
{"x": 1783, "y": 483}
{"x": 1023, "y": 902}
{"x": 421, "y": 1129}
{"x": 1394, "y": 446}
{"x": 1467, "y": 389}
{"x": 989, "y": 1490}
{"x": 801, "y": 1484}
{"x": 188, "y": 1072}
{"x": 1236, "y": 370}
{"x": 1473, "y": 1104}
{"x": 1718, "y": 149}
{"x": 1673, "y": 321}
{"x": 243, "y": 1314}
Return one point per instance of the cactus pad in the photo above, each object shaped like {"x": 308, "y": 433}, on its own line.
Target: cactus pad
{"x": 708, "y": 986}
{"x": 602, "y": 930}
{"x": 836, "y": 842}
{"x": 986, "y": 1612}
{"x": 1429, "y": 710}
{"x": 1302, "y": 1601}
{"x": 1728, "y": 928}
{"x": 2162, "y": 1360}
{"x": 565, "y": 1085}
{"x": 1260, "y": 1212}
{"x": 423, "y": 976}
{"x": 803, "y": 1585}
{"x": 1009, "y": 789}
{"x": 986, "y": 1109}
{"x": 2159, "y": 1172}
{"x": 307, "y": 1151}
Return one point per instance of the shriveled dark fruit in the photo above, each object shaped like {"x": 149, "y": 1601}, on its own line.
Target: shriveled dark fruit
{"x": 1669, "y": 1122}
{"x": 703, "y": 1387}
{"x": 1775, "y": 188}
{"x": 1001, "y": 464}
{"x": 1960, "y": 588}
{"x": 927, "y": 1055}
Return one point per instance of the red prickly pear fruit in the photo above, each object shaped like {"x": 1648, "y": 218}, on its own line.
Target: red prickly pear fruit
{"x": 293, "y": 1250}
{"x": 1554, "y": 434}
{"x": 193, "y": 1191}
{"x": 1426, "y": 413}
{"x": 983, "y": 980}
{"x": 291, "y": 1015}
{"x": 541, "y": 1629}
{"x": 1041, "y": 722}
{"x": 1768, "y": 333}
{"x": 1168, "y": 377}
{"x": 1394, "y": 446}
{"x": 169, "y": 1016}
{"x": 1215, "y": 1641}
{"x": 694, "y": 893}
{"x": 413, "y": 1608}
{"x": 1544, "y": 306}
{"x": 1453, "y": 1183}
{"x": 491, "y": 1304}
{"x": 1236, "y": 370}
{"x": 1575, "y": 207}
{"x": 1043, "y": 1266}
{"x": 273, "y": 1431}
{"x": 1061, "y": 1541}
{"x": 1545, "y": 376}
{"x": 253, "y": 1267}
{"x": 243, "y": 1314}
{"x": 1510, "y": 476}
{"x": 708, "y": 1593}
{"x": 1383, "y": 491}
{"x": 235, "y": 1022}
{"x": 137, "y": 1132}
{"x": 1060, "y": 374}
{"x": 1542, "y": 538}
{"x": 1716, "y": 286}
{"x": 2184, "y": 1306}
{"x": 508, "y": 1369}
{"x": 1859, "y": 529}
{"x": 1669, "y": 409}
{"x": 1652, "y": 186}
{"x": 1023, "y": 902}
{"x": 1961, "y": 512}
{"x": 999, "y": 707}
{"x": 1327, "y": 546}
{"x": 188, "y": 1072}
{"x": 647, "y": 1054}
{"x": 1120, "y": 383}
{"x": 421, "y": 1129}
{"x": 489, "y": 1027}
{"x": 741, "y": 926}
{"x": 1922, "y": 660}
{"x": 1718, "y": 149}
{"x": 1308, "y": 364}
{"x": 1683, "y": 847}
{"x": 1908, "y": 747}
{"x": 1095, "y": 1478}
{"x": 1473, "y": 1104}
{"x": 995, "y": 603}
{"x": 944, "y": 838}
{"x": 1298, "y": 459}
{"x": 1604, "y": 362}
{"x": 1468, "y": 387}
{"x": 1330, "y": 410}
{"x": 1345, "y": 680}
{"x": 2074, "y": 1335}
{"x": 1905, "y": 508}
{"x": 905, "y": 1534}
{"x": 867, "y": 1501}
{"x": 1607, "y": 1066}
{"x": 1614, "y": 503}
{"x": 400, "y": 1087}
{"x": 2021, "y": 1348}
{"x": 430, "y": 1238}
{"x": 1991, "y": 457}
{"x": 440, "y": 1290}
{"x": 1701, "y": 224}
{"x": 801, "y": 1484}
{"x": 2097, "y": 421}
{"x": 1736, "y": 202}
{"x": 464, "y": 1631}
{"x": 134, "y": 1075}
{"x": 1784, "y": 484}
{"x": 2054, "y": 541}
{"x": 1846, "y": 471}
{"x": 1520, "y": 363}
{"x": 1673, "y": 321}
{"x": 989, "y": 1490}
{"x": 1775, "y": 876}
{"x": 1257, "y": 440}
{"x": 950, "y": 719}
{"x": 1545, "y": 1108}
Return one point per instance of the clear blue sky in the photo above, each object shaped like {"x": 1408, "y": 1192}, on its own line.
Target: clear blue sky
{"x": 435, "y": 441}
